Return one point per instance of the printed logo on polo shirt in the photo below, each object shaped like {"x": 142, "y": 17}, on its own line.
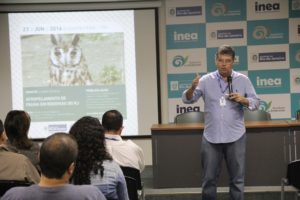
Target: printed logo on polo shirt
{"x": 263, "y": 105}
{"x": 186, "y": 11}
{"x": 218, "y": 9}
{"x": 267, "y": 7}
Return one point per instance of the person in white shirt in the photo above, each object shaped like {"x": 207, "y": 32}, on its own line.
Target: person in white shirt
{"x": 125, "y": 152}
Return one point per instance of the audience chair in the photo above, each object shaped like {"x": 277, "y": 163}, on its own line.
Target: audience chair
{"x": 189, "y": 117}
{"x": 134, "y": 183}
{"x": 256, "y": 115}
{"x": 292, "y": 177}
{"x": 7, "y": 184}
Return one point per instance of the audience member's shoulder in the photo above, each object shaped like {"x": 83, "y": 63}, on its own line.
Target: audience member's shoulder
{"x": 17, "y": 193}
{"x": 88, "y": 192}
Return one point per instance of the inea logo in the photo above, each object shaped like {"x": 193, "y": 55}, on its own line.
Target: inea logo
{"x": 185, "y": 36}
{"x": 184, "y": 109}
{"x": 266, "y": 7}
{"x": 268, "y": 81}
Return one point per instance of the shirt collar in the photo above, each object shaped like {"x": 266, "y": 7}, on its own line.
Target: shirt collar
{"x": 113, "y": 137}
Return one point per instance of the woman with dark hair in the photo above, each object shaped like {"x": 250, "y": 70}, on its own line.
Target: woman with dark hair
{"x": 94, "y": 165}
{"x": 16, "y": 124}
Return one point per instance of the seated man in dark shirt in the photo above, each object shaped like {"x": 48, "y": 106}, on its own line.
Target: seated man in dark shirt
{"x": 58, "y": 154}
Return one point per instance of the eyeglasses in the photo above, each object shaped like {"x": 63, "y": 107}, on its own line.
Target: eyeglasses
{"x": 226, "y": 61}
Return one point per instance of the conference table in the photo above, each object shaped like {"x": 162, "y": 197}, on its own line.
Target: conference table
{"x": 271, "y": 145}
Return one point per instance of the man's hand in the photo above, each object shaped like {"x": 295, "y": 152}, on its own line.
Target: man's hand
{"x": 239, "y": 99}
{"x": 190, "y": 91}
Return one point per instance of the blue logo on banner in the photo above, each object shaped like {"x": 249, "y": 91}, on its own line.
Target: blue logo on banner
{"x": 177, "y": 83}
{"x": 295, "y": 101}
{"x": 270, "y": 81}
{"x": 294, "y": 8}
{"x": 240, "y": 62}
{"x": 271, "y": 57}
{"x": 185, "y": 36}
{"x": 267, "y": 32}
{"x": 230, "y": 34}
{"x": 294, "y": 55}
{"x": 225, "y": 10}
{"x": 186, "y": 11}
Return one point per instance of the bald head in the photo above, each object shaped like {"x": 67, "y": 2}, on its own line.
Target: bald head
{"x": 57, "y": 153}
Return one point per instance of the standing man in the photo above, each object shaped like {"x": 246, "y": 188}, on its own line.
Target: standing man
{"x": 225, "y": 94}
{"x": 124, "y": 152}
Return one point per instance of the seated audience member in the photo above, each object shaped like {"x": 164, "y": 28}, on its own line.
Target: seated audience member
{"x": 124, "y": 152}
{"x": 57, "y": 161}
{"x": 14, "y": 166}
{"x": 94, "y": 165}
{"x": 16, "y": 124}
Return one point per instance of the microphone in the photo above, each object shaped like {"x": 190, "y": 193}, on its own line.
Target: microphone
{"x": 229, "y": 80}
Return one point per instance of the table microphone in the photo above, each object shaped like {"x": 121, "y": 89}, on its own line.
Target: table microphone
{"x": 229, "y": 80}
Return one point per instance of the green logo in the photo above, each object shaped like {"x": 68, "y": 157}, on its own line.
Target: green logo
{"x": 179, "y": 61}
{"x": 263, "y": 105}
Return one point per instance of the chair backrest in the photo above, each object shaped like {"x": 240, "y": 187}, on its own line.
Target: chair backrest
{"x": 7, "y": 184}
{"x": 190, "y": 117}
{"x": 256, "y": 115}
{"x": 133, "y": 181}
{"x": 293, "y": 174}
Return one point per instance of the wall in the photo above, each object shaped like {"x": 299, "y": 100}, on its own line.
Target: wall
{"x": 265, "y": 35}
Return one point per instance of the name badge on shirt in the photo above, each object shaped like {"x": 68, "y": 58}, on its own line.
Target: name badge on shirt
{"x": 222, "y": 101}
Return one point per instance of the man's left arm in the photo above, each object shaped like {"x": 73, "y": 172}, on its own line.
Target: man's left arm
{"x": 250, "y": 100}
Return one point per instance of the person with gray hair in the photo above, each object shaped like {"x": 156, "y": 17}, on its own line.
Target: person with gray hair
{"x": 58, "y": 154}
{"x": 226, "y": 93}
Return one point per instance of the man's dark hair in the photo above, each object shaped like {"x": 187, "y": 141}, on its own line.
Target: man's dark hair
{"x": 1, "y": 127}
{"x": 112, "y": 120}
{"x": 57, "y": 153}
{"x": 225, "y": 50}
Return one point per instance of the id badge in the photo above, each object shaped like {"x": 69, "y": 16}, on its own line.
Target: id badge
{"x": 222, "y": 101}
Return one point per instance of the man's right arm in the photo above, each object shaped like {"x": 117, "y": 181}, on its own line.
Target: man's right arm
{"x": 190, "y": 91}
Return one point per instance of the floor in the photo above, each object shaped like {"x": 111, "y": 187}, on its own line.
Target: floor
{"x": 251, "y": 193}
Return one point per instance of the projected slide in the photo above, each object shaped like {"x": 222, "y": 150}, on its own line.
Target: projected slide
{"x": 71, "y": 64}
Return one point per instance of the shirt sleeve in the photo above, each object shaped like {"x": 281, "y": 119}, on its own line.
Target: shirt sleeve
{"x": 31, "y": 173}
{"x": 196, "y": 95}
{"x": 252, "y": 96}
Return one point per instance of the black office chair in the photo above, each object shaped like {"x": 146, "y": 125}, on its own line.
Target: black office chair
{"x": 292, "y": 177}
{"x": 134, "y": 183}
{"x": 189, "y": 117}
{"x": 256, "y": 115}
{"x": 5, "y": 185}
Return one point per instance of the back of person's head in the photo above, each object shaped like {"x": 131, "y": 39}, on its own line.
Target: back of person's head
{"x": 225, "y": 50}
{"x": 89, "y": 135}
{"x": 16, "y": 124}
{"x": 112, "y": 120}
{"x": 1, "y": 127}
{"x": 57, "y": 153}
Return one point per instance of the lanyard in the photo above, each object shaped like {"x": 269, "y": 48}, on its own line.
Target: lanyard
{"x": 223, "y": 91}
